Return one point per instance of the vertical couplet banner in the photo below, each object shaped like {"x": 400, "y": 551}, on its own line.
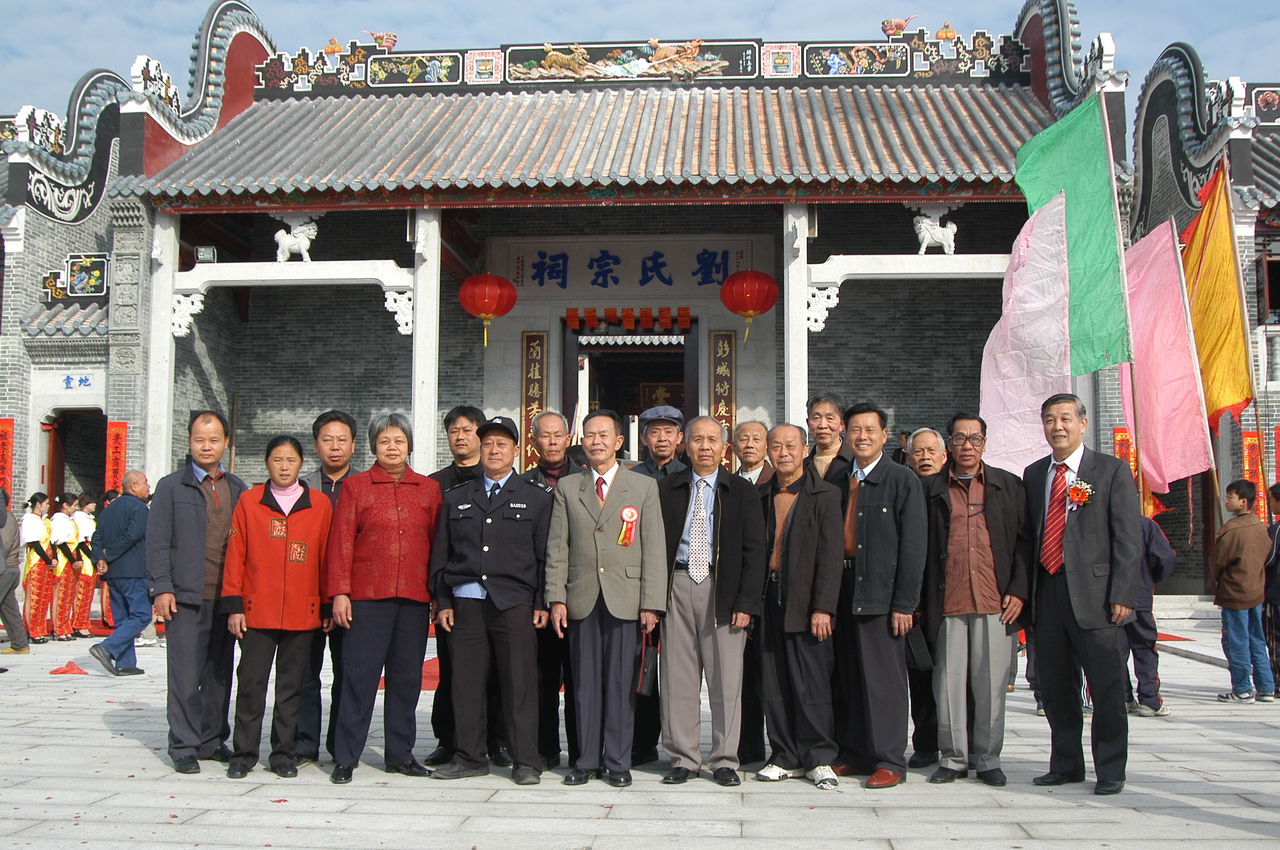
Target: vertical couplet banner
{"x": 1251, "y": 442}
{"x": 117, "y": 454}
{"x": 6, "y": 458}
{"x": 724, "y": 381}
{"x": 1122, "y": 447}
{"x": 533, "y": 389}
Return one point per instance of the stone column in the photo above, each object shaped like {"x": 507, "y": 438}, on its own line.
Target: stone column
{"x": 795, "y": 293}
{"x": 160, "y": 357}
{"x": 126, "y": 385}
{"x": 425, "y": 396}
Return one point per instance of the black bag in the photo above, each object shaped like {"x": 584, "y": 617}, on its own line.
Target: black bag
{"x": 647, "y": 677}
{"x": 918, "y": 655}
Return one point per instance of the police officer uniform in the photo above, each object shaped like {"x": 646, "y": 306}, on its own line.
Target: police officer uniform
{"x": 488, "y": 563}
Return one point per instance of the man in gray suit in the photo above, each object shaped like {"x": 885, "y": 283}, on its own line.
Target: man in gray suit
{"x": 606, "y": 569}
{"x": 1086, "y": 542}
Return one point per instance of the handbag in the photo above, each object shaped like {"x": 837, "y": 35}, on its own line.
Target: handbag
{"x": 647, "y": 676}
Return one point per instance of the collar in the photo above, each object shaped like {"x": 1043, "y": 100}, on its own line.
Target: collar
{"x": 980, "y": 475}
{"x": 324, "y": 476}
{"x": 866, "y": 472}
{"x": 608, "y": 475}
{"x": 694, "y": 478}
{"x": 489, "y": 482}
{"x": 1072, "y": 460}
{"x": 793, "y": 487}
{"x": 201, "y": 475}
{"x": 380, "y": 476}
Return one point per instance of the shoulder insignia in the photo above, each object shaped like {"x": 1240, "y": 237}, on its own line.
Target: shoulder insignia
{"x": 547, "y": 488}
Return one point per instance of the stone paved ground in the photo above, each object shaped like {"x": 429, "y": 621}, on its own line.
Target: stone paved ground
{"x": 82, "y": 764}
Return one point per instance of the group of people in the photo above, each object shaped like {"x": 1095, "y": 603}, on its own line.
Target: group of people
{"x": 823, "y": 592}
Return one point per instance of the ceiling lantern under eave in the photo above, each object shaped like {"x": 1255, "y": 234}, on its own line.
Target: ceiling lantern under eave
{"x": 487, "y": 296}
{"x": 749, "y": 293}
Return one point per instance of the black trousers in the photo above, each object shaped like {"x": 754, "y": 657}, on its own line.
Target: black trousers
{"x": 604, "y": 653}
{"x": 386, "y": 635}
{"x": 924, "y": 710}
{"x": 310, "y": 707}
{"x": 1062, "y": 650}
{"x": 200, "y": 654}
{"x": 871, "y": 672}
{"x": 259, "y": 648}
{"x": 554, "y": 670}
{"x": 752, "y": 738}
{"x": 795, "y": 688}
{"x": 648, "y": 719}
{"x": 481, "y": 632}
{"x": 443, "y": 723}
{"x": 1142, "y": 635}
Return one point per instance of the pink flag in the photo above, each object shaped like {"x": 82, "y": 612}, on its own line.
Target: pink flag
{"x": 1172, "y": 433}
{"x": 1028, "y": 354}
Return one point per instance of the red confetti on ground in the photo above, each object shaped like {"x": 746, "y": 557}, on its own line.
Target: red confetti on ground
{"x": 1168, "y": 637}
{"x": 70, "y": 667}
{"x": 281, "y": 800}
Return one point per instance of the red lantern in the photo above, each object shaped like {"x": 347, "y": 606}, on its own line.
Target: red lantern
{"x": 749, "y": 293}
{"x": 487, "y": 296}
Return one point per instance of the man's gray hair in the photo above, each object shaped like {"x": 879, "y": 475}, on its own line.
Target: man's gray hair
{"x": 534, "y": 428}
{"x": 382, "y": 421}
{"x": 724, "y": 432}
{"x": 741, "y": 425}
{"x": 911, "y": 441}
{"x": 804, "y": 433}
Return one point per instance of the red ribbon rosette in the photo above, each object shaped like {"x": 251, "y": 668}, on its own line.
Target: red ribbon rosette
{"x": 628, "y": 533}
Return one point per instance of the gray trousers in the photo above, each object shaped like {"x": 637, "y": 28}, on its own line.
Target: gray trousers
{"x": 200, "y": 655}
{"x": 691, "y": 645}
{"x": 972, "y": 655}
{"x": 10, "y": 613}
{"x": 603, "y": 654}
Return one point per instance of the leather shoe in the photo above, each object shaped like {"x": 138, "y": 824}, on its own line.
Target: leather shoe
{"x": 1055, "y": 778}
{"x": 1108, "y": 786}
{"x": 579, "y": 776}
{"x": 994, "y": 777}
{"x": 844, "y": 768}
{"x": 678, "y": 776}
{"x": 456, "y": 770}
{"x": 922, "y": 759}
{"x": 526, "y": 775}
{"x": 726, "y": 776}
{"x": 409, "y": 768}
{"x": 644, "y": 756}
{"x": 186, "y": 764}
{"x": 341, "y": 774}
{"x": 237, "y": 770}
{"x": 501, "y": 757}
{"x": 222, "y": 754}
{"x": 285, "y": 771}
{"x": 947, "y": 774}
{"x": 100, "y": 654}
{"x": 130, "y": 671}
{"x": 439, "y": 755}
{"x": 884, "y": 778}
{"x": 618, "y": 778}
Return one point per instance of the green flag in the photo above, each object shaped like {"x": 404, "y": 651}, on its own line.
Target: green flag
{"x": 1073, "y": 156}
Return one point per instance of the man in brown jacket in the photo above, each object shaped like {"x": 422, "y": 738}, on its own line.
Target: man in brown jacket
{"x": 1237, "y": 582}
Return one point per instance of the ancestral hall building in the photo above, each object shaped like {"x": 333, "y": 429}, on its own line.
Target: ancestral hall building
{"x": 291, "y": 235}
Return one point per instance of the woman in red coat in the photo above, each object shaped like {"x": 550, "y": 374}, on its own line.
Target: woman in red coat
{"x": 272, "y": 589}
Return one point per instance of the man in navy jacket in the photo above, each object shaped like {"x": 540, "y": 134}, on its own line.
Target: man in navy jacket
{"x": 119, "y": 549}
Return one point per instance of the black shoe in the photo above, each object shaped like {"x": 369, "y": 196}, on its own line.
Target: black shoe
{"x": 618, "y": 778}
{"x": 1053, "y": 778}
{"x": 186, "y": 764}
{"x": 1108, "y": 786}
{"x": 130, "y": 671}
{"x": 922, "y": 759}
{"x": 644, "y": 756}
{"x": 341, "y": 774}
{"x": 439, "y": 755}
{"x": 501, "y": 757}
{"x": 726, "y": 776}
{"x": 552, "y": 761}
{"x": 63, "y": 637}
{"x": 222, "y": 754}
{"x": 678, "y": 776}
{"x": 994, "y": 777}
{"x": 285, "y": 771}
{"x": 526, "y": 775}
{"x": 237, "y": 770}
{"x": 947, "y": 774}
{"x": 100, "y": 654}
{"x": 579, "y": 776}
{"x": 39, "y": 640}
{"x": 408, "y": 768}
{"x": 454, "y": 770}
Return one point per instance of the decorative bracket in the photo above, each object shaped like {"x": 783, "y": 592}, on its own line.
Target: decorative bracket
{"x": 400, "y": 304}
{"x": 820, "y": 302}
{"x": 185, "y": 308}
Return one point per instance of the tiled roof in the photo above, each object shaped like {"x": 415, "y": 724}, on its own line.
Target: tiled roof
{"x": 1266, "y": 167}
{"x": 63, "y": 319}
{"x": 617, "y": 136}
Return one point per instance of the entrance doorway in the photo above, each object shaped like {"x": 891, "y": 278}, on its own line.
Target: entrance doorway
{"x": 77, "y": 452}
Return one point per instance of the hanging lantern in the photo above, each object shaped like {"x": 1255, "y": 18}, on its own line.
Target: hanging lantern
{"x": 749, "y": 293}
{"x": 487, "y": 296}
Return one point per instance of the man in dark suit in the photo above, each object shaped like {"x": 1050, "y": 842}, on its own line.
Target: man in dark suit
{"x": 715, "y": 545}
{"x": 606, "y": 581}
{"x": 1085, "y": 544}
{"x": 488, "y": 577}
{"x": 750, "y": 442}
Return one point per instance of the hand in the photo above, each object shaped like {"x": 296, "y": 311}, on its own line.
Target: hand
{"x": 102, "y": 568}
{"x": 445, "y": 619}
{"x": 740, "y": 620}
{"x": 1012, "y": 609}
{"x": 235, "y": 625}
{"x": 166, "y": 605}
{"x": 559, "y": 618}
{"x": 1119, "y": 612}
{"x": 540, "y": 619}
{"x": 820, "y": 625}
{"x": 901, "y": 623}
{"x": 648, "y": 619}
{"x": 326, "y": 625}
{"x": 342, "y": 610}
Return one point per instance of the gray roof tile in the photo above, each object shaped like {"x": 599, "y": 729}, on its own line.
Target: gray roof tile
{"x": 62, "y": 318}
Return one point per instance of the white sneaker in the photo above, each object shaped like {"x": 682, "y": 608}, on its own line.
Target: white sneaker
{"x": 1132, "y": 706}
{"x": 823, "y": 777}
{"x": 1260, "y": 696}
{"x": 1232, "y": 696}
{"x": 144, "y": 641}
{"x": 1148, "y": 711}
{"x": 773, "y": 773}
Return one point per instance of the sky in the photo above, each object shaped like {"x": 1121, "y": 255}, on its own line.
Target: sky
{"x": 45, "y": 47}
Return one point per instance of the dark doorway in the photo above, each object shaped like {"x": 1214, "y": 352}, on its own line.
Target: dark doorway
{"x": 77, "y": 452}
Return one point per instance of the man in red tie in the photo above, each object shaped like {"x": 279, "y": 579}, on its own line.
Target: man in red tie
{"x": 1084, "y": 550}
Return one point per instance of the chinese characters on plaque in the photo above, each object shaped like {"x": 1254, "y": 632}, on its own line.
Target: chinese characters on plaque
{"x": 117, "y": 454}
{"x": 533, "y": 389}
{"x": 1252, "y": 445}
{"x": 724, "y": 380}
{"x": 6, "y": 457}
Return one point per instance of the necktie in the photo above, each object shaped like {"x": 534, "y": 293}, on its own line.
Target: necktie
{"x": 699, "y": 539}
{"x": 600, "y": 489}
{"x": 851, "y": 516}
{"x": 493, "y": 491}
{"x": 1055, "y": 522}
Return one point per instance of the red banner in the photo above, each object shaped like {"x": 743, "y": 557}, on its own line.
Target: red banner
{"x": 724, "y": 382}
{"x": 1122, "y": 447}
{"x": 6, "y": 459}
{"x": 1253, "y": 448}
{"x": 533, "y": 389}
{"x": 117, "y": 454}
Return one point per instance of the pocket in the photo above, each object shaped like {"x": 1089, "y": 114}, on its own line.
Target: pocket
{"x": 1103, "y": 569}
{"x": 633, "y": 572}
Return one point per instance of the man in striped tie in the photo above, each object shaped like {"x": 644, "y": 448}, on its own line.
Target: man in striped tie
{"x": 1084, "y": 551}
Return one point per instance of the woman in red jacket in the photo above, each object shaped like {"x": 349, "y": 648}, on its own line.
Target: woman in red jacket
{"x": 272, "y": 588}
{"x": 379, "y": 547}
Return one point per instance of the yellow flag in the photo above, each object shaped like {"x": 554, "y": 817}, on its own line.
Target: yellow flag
{"x": 1213, "y": 293}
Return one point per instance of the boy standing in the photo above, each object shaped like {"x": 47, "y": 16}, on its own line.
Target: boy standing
{"x": 1237, "y": 582}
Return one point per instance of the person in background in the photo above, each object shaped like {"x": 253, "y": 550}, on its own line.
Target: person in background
{"x": 86, "y": 575}
{"x": 104, "y": 592}
{"x": 36, "y": 534}
{"x": 10, "y": 577}
{"x": 120, "y": 552}
{"x": 1271, "y": 590}
{"x": 273, "y": 593}
{"x": 831, "y": 456}
{"x": 66, "y": 540}
{"x": 1158, "y": 562}
{"x": 1238, "y": 585}
{"x": 750, "y": 444}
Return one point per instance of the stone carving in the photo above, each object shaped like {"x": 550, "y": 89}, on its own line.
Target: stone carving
{"x": 185, "y": 307}
{"x": 124, "y": 359}
{"x": 932, "y": 232}
{"x": 820, "y": 302}
{"x": 297, "y": 239}
{"x": 400, "y": 304}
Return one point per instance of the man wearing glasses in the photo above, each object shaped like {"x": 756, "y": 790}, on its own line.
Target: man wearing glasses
{"x": 974, "y": 590}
